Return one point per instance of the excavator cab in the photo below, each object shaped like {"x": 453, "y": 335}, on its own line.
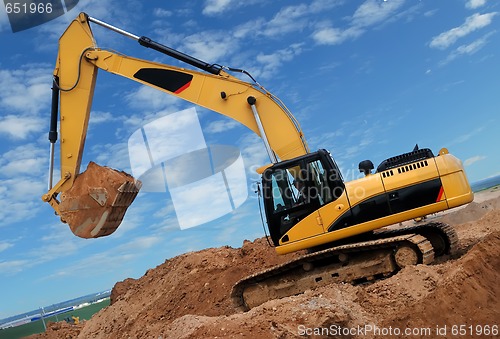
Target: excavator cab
{"x": 293, "y": 189}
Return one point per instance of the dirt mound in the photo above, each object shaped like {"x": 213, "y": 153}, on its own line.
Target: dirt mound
{"x": 467, "y": 292}
{"x": 187, "y": 296}
{"x": 471, "y": 212}
{"x": 196, "y": 283}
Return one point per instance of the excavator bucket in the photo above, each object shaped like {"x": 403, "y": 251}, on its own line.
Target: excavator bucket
{"x": 96, "y": 203}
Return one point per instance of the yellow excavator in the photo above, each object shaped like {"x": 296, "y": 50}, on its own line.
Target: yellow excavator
{"x": 308, "y": 205}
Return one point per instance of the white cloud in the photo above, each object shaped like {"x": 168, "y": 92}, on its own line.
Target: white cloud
{"x": 112, "y": 155}
{"x": 473, "y": 160}
{"x": 20, "y": 127}
{"x": 430, "y": 13}
{"x": 23, "y": 160}
{"x": 20, "y": 188}
{"x": 22, "y": 166}
{"x": 168, "y": 36}
{"x": 151, "y": 99}
{"x": 249, "y": 28}
{"x": 318, "y": 6}
{"x": 271, "y": 62}
{"x": 31, "y": 81}
{"x": 16, "y": 210}
{"x": 139, "y": 243}
{"x": 219, "y": 126}
{"x": 53, "y": 250}
{"x": 24, "y": 94}
{"x": 473, "y": 4}
{"x": 328, "y": 36}
{"x": 210, "y": 46}
{"x": 254, "y": 154}
{"x": 492, "y": 175}
{"x": 56, "y": 243}
{"x": 220, "y": 46}
{"x": 59, "y": 243}
{"x": 370, "y": 13}
{"x": 12, "y": 266}
{"x": 5, "y": 245}
{"x": 295, "y": 18}
{"x": 471, "y": 24}
{"x": 335, "y": 36}
{"x": 467, "y": 136}
{"x": 468, "y": 49}
{"x": 99, "y": 117}
{"x": 165, "y": 212}
{"x": 228, "y": 234}
{"x": 92, "y": 266}
{"x": 216, "y": 6}
{"x": 288, "y": 19}
{"x": 22, "y": 183}
{"x": 162, "y": 13}
{"x": 448, "y": 86}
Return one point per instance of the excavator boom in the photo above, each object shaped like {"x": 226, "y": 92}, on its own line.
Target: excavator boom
{"x": 94, "y": 202}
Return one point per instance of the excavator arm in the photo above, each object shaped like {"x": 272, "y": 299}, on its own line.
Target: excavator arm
{"x": 94, "y": 211}
{"x": 318, "y": 211}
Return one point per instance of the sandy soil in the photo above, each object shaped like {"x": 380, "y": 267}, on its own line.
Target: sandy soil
{"x": 187, "y": 296}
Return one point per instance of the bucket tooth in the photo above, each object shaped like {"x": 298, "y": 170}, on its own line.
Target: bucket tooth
{"x": 126, "y": 193}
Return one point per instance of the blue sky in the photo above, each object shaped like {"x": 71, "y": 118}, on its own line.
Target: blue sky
{"x": 366, "y": 79}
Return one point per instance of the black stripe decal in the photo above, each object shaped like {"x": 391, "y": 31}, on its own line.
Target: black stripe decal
{"x": 169, "y": 80}
{"x": 389, "y": 203}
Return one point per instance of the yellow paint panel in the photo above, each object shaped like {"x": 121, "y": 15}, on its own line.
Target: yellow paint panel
{"x": 364, "y": 188}
{"x": 410, "y": 174}
{"x": 456, "y": 186}
{"x": 283, "y": 132}
{"x": 306, "y": 228}
{"x": 360, "y": 228}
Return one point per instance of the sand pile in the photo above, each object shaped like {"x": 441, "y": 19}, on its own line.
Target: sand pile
{"x": 187, "y": 296}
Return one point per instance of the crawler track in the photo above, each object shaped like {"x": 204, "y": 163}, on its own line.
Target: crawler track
{"x": 383, "y": 255}
{"x": 443, "y": 237}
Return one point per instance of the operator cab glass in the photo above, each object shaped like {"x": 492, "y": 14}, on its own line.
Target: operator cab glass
{"x": 295, "y": 188}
